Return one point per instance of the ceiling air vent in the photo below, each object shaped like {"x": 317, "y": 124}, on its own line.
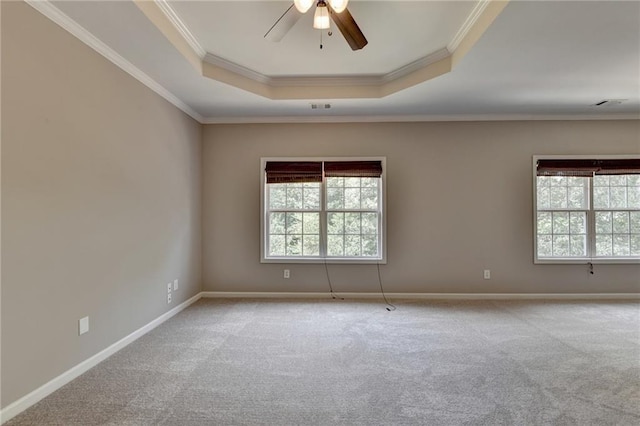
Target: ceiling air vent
{"x": 320, "y": 106}
{"x": 609, "y": 102}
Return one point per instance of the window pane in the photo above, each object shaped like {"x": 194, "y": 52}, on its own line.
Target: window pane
{"x": 544, "y": 246}
{"x": 604, "y": 245}
{"x": 634, "y": 222}
{"x": 620, "y": 222}
{"x": 603, "y": 223}
{"x": 577, "y": 197}
{"x": 544, "y": 223}
{"x": 369, "y": 198}
{"x": 561, "y": 245}
{"x": 371, "y": 182}
{"x": 335, "y": 223}
{"x": 557, "y": 181}
{"x": 277, "y": 196}
{"x": 352, "y": 198}
{"x": 543, "y": 197}
{"x": 369, "y": 245}
{"x": 621, "y": 245}
{"x": 335, "y": 182}
{"x": 369, "y": 223}
{"x": 560, "y": 223}
{"x": 335, "y": 198}
{"x": 620, "y": 180}
{"x": 578, "y": 222}
{"x": 311, "y": 223}
{"x": 633, "y": 197}
{"x": 276, "y": 245}
{"x": 335, "y": 245}
{"x": 277, "y": 223}
{"x": 352, "y": 223}
{"x": 311, "y": 198}
{"x": 618, "y": 197}
{"x": 578, "y": 245}
{"x": 294, "y": 196}
{"x": 558, "y": 196}
{"x": 310, "y": 245}
{"x": 352, "y": 182}
{"x": 352, "y": 245}
{"x": 601, "y": 180}
{"x": 635, "y": 245}
{"x": 600, "y": 197}
{"x": 294, "y": 245}
{"x": 294, "y": 223}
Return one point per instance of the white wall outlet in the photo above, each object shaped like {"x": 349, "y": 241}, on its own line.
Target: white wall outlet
{"x": 83, "y": 325}
{"x": 169, "y": 286}
{"x": 175, "y": 284}
{"x": 168, "y": 298}
{"x": 287, "y": 273}
{"x": 487, "y": 274}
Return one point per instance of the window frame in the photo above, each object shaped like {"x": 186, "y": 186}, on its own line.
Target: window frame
{"x": 590, "y": 226}
{"x": 382, "y": 222}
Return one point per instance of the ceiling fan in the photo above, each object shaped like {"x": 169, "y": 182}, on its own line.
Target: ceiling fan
{"x": 325, "y": 9}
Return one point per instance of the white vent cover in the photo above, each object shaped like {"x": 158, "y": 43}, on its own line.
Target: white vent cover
{"x": 320, "y": 106}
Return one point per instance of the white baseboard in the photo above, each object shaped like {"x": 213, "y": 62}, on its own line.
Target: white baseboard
{"x": 452, "y": 296}
{"x": 31, "y": 398}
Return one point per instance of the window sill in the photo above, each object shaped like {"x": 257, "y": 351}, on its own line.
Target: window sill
{"x": 586, "y": 261}
{"x": 348, "y": 261}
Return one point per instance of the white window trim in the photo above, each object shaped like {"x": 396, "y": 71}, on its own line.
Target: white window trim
{"x": 590, "y": 219}
{"x": 321, "y": 260}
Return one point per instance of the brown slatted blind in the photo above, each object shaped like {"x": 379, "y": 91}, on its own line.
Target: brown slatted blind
{"x": 353, "y": 169}
{"x": 587, "y": 167}
{"x": 293, "y": 171}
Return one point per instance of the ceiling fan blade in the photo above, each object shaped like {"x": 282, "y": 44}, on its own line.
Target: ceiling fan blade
{"x": 348, "y": 27}
{"x": 283, "y": 24}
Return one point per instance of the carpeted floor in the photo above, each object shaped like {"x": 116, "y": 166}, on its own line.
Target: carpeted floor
{"x": 311, "y": 362}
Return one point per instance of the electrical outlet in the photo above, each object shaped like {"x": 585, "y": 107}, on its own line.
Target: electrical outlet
{"x": 487, "y": 274}
{"x": 83, "y": 325}
{"x": 175, "y": 284}
{"x": 168, "y": 298}
{"x": 169, "y": 288}
{"x": 287, "y": 273}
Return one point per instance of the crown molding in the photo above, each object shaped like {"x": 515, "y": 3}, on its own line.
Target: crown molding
{"x": 171, "y": 14}
{"x": 414, "y": 118}
{"x": 417, "y": 65}
{"x": 46, "y": 8}
{"x": 236, "y": 68}
{"x": 468, "y": 25}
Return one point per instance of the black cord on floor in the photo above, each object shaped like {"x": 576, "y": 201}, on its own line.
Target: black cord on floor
{"x": 390, "y": 307}
{"x": 333, "y": 294}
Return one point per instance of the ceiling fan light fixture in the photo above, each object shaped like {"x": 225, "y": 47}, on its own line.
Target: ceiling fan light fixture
{"x": 338, "y": 5}
{"x": 303, "y": 5}
{"x": 321, "y": 17}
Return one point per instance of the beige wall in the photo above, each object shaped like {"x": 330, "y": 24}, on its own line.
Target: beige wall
{"x": 459, "y": 199}
{"x": 101, "y": 202}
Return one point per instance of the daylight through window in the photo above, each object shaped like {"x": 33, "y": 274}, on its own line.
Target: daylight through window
{"x": 316, "y": 210}
{"x": 587, "y": 209}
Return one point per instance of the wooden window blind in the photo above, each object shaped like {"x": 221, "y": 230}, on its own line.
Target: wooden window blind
{"x": 587, "y": 167}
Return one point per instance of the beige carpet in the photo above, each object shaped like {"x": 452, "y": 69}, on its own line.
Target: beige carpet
{"x": 235, "y": 362}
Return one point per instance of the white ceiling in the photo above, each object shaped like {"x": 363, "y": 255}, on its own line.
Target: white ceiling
{"x": 539, "y": 59}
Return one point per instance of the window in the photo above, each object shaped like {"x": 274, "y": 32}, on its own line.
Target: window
{"x": 323, "y": 210}
{"x": 587, "y": 209}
